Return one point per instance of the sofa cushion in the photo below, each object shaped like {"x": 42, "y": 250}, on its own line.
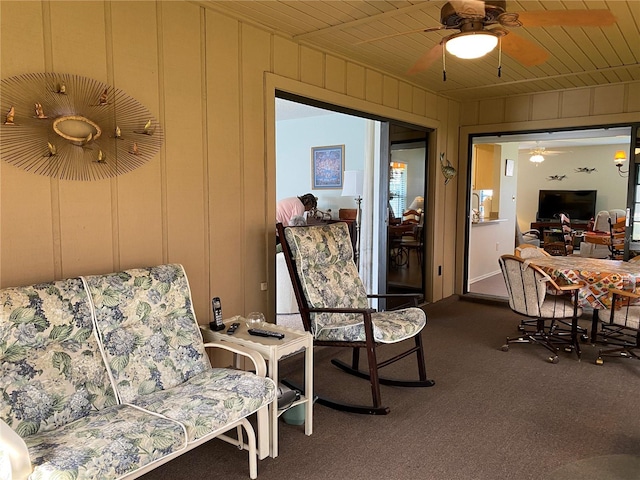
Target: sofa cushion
{"x": 148, "y": 328}
{"x": 51, "y": 369}
{"x": 108, "y": 444}
{"x": 211, "y": 400}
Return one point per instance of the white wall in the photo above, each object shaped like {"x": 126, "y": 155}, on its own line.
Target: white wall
{"x": 294, "y": 140}
{"x": 488, "y": 242}
{"x": 611, "y": 187}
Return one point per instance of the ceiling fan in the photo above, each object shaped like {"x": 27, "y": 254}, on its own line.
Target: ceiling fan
{"x": 537, "y": 154}
{"x": 475, "y": 39}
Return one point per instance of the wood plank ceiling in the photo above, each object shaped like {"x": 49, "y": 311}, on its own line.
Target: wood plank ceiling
{"x": 578, "y": 56}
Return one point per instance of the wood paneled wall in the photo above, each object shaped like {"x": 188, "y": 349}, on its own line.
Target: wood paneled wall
{"x": 207, "y": 200}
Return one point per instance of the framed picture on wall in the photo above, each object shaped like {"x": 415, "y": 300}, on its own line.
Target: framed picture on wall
{"x": 327, "y": 166}
{"x": 508, "y": 168}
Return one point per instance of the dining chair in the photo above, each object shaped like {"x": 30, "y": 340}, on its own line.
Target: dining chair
{"x": 527, "y": 289}
{"x": 528, "y": 250}
{"x": 530, "y": 237}
{"x": 413, "y": 242}
{"x": 568, "y": 233}
{"x": 616, "y": 238}
{"x": 411, "y": 216}
{"x": 556, "y": 249}
{"x": 335, "y": 308}
{"x": 620, "y": 327}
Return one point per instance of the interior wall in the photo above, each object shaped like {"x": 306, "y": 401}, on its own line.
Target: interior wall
{"x": 579, "y": 107}
{"x": 294, "y": 140}
{"x": 611, "y": 187}
{"x": 488, "y": 241}
{"x": 207, "y": 200}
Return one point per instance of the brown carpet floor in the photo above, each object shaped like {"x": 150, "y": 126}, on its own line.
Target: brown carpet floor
{"x": 491, "y": 415}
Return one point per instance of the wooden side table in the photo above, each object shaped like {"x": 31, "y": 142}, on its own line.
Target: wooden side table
{"x": 272, "y": 350}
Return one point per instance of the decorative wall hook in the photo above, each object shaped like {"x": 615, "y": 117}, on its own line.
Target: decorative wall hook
{"x": 67, "y": 117}
{"x": 448, "y": 170}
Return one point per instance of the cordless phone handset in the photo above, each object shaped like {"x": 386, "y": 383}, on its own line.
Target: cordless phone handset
{"x": 217, "y": 323}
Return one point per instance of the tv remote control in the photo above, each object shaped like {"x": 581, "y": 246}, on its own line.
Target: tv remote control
{"x": 232, "y": 328}
{"x": 265, "y": 333}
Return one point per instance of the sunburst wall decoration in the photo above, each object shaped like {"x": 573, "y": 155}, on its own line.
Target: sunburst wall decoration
{"x": 74, "y": 128}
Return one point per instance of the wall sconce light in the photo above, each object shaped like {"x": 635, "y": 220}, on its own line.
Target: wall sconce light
{"x": 619, "y": 158}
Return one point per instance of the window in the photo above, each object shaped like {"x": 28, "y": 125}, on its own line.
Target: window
{"x": 398, "y": 187}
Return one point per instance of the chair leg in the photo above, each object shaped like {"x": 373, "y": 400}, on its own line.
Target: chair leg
{"x": 373, "y": 375}
{"x": 624, "y": 352}
{"x": 422, "y": 370}
{"x": 546, "y": 339}
{"x": 422, "y": 373}
{"x": 355, "y": 358}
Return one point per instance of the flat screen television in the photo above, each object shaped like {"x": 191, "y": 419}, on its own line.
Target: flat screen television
{"x": 578, "y": 204}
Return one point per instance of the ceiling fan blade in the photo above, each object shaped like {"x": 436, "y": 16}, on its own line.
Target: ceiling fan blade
{"x": 567, "y": 18}
{"x": 524, "y": 51}
{"x": 468, "y": 8}
{"x": 420, "y": 30}
{"x": 426, "y": 60}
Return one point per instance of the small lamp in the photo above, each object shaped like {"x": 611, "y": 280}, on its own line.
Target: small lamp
{"x": 352, "y": 187}
{"x": 619, "y": 158}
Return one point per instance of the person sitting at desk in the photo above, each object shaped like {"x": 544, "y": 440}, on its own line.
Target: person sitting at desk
{"x": 294, "y": 206}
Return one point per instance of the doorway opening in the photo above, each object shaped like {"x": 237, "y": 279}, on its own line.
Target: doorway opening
{"x": 510, "y": 174}
{"x": 406, "y": 218}
{"x": 367, "y": 145}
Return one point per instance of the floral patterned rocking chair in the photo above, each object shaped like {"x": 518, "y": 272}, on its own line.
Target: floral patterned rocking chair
{"x": 334, "y": 308}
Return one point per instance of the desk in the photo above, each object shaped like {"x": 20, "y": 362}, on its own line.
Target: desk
{"x": 598, "y": 275}
{"x": 272, "y": 350}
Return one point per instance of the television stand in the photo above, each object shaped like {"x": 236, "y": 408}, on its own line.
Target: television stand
{"x": 545, "y": 227}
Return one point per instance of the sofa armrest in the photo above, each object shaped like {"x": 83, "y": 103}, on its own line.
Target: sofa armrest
{"x": 256, "y": 358}
{"x": 13, "y": 449}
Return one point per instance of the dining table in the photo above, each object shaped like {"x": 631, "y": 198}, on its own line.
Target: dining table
{"x": 598, "y": 277}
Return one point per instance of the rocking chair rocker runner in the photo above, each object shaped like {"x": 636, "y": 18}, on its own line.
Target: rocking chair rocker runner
{"x": 334, "y": 308}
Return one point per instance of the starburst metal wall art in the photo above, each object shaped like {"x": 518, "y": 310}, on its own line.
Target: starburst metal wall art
{"x": 74, "y": 128}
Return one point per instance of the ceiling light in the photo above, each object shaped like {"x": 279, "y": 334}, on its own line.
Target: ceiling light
{"x": 471, "y": 44}
{"x": 536, "y": 158}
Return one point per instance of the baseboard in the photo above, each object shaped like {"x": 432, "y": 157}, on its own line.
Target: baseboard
{"x": 482, "y": 277}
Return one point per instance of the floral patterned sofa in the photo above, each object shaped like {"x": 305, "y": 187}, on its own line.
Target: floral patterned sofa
{"x": 107, "y": 376}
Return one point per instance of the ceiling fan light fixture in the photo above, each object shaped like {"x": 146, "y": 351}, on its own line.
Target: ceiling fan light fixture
{"x": 469, "y": 45}
{"x": 536, "y": 158}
